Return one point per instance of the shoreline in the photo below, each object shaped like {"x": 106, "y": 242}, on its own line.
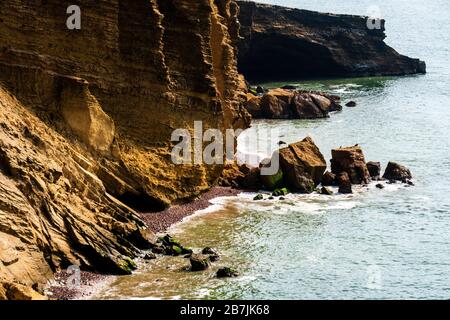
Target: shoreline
{"x": 158, "y": 222}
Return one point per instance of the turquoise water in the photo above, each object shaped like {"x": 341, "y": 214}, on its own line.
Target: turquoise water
{"x": 374, "y": 244}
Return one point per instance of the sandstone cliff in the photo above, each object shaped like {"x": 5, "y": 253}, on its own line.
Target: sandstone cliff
{"x": 86, "y": 119}
{"x": 282, "y": 44}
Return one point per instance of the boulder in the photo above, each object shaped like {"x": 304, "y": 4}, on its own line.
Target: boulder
{"x": 270, "y": 181}
{"x": 398, "y": 172}
{"x": 280, "y": 192}
{"x": 303, "y": 165}
{"x": 374, "y": 169}
{"x": 199, "y": 262}
{"x": 328, "y": 179}
{"x": 290, "y": 104}
{"x": 350, "y": 104}
{"x": 345, "y": 185}
{"x": 226, "y": 272}
{"x": 212, "y": 253}
{"x": 149, "y": 256}
{"x": 282, "y": 94}
{"x": 304, "y": 107}
{"x": 350, "y": 160}
{"x": 326, "y": 191}
{"x": 240, "y": 176}
{"x": 251, "y": 179}
{"x": 276, "y": 104}
{"x": 258, "y": 197}
{"x": 253, "y": 106}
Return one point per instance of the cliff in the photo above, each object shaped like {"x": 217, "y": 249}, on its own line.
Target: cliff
{"x": 281, "y": 43}
{"x": 86, "y": 120}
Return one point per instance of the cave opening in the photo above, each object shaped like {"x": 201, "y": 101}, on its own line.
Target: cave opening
{"x": 285, "y": 58}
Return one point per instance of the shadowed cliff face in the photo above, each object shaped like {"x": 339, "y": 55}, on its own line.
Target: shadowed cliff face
{"x": 86, "y": 120}
{"x": 287, "y": 44}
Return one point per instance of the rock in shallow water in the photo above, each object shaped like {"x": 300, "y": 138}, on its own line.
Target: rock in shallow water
{"x": 226, "y": 272}
{"x": 289, "y": 104}
{"x": 149, "y": 256}
{"x": 280, "y": 192}
{"x": 374, "y": 169}
{"x": 303, "y": 165}
{"x": 212, "y": 253}
{"x": 199, "y": 262}
{"x": 398, "y": 172}
{"x": 270, "y": 181}
{"x": 329, "y": 179}
{"x": 258, "y": 197}
{"x": 345, "y": 185}
{"x": 350, "y": 160}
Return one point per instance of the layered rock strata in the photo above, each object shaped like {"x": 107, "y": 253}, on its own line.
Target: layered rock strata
{"x": 86, "y": 122}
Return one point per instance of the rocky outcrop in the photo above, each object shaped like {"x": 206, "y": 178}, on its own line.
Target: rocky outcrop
{"x": 275, "y": 179}
{"x": 290, "y": 104}
{"x": 344, "y": 183}
{"x": 14, "y": 291}
{"x": 374, "y": 169}
{"x": 199, "y": 262}
{"x": 240, "y": 176}
{"x": 303, "y": 165}
{"x": 398, "y": 172}
{"x": 281, "y": 43}
{"x": 54, "y": 211}
{"x": 86, "y": 122}
{"x": 351, "y": 161}
{"x": 328, "y": 179}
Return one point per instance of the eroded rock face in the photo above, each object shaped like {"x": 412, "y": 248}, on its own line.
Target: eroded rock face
{"x": 351, "y": 161}
{"x": 84, "y": 116}
{"x": 54, "y": 211}
{"x": 149, "y": 66}
{"x": 303, "y": 165}
{"x": 86, "y": 121}
{"x": 282, "y": 43}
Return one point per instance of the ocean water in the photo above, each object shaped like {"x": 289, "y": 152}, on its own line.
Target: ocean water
{"x": 375, "y": 244}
